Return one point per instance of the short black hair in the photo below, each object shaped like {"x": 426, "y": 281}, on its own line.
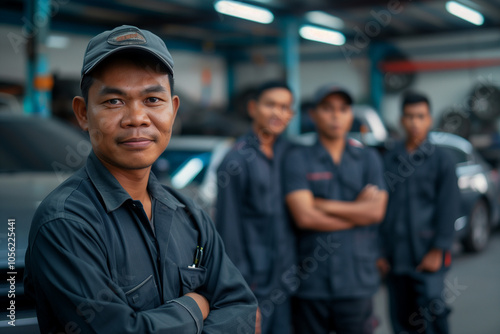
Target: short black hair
{"x": 270, "y": 85}
{"x": 141, "y": 59}
{"x": 412, "y": 97}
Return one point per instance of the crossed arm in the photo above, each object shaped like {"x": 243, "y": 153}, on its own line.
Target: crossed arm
{"x": 330, "y": 215}
{"x": 368, "y": 208}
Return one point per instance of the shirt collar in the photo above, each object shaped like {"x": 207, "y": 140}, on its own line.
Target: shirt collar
{"x": 400, "y": 148}
{"x": 253, "y": 140}
{"x": 349, "y": 150}
{"x": 113, "y": 193}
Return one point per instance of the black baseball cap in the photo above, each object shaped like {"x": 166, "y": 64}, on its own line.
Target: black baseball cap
{"x": 330, "y": 89}
{"x": 123, "y": 38}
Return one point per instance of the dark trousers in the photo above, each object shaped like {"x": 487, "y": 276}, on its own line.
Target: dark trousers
{"x": 276, "y": 315}
{"x": 416, "y": 303}
{"x": 348, "y": 316}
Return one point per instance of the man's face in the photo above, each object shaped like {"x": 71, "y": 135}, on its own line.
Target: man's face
{"x": 333, "y": 117}
{"x": 273, "y": 111}
{"x": 129, "y": 116}
{"x": 416, "y": 121}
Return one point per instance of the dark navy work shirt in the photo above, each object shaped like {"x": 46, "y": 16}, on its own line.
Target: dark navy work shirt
{"x": 94, "y": 264}
{"x": 251, "y": 216}
{"x": 340, "y": 264}
{"x": 423, "y": 204}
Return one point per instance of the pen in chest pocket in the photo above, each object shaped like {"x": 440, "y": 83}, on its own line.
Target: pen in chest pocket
{"x": 197, "y": 257}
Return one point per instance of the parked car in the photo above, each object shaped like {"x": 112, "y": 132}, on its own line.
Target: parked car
{"x": 190, "y": 163}
{"x": 367, "y": 126}
{"x": 36, "y": 155}
{"x": 479, "y": 188}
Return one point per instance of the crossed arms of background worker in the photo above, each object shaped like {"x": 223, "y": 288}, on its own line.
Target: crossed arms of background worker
{"x": 325, "y": 215}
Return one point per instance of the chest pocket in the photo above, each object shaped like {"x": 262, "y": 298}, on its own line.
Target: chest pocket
{"x": 352, "y": 180}
{"x": 191, "y": 278}
{"x": 320, "y": 183}
{"x": 142, "y": 296}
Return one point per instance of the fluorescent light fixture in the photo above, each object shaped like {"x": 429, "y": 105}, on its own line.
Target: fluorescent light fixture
{"x": 324, "y": 19}
{"x": 187, "y": 173}
{"x": 322, "y": 35}
{"x": 57, "y": 42}
{"x": 465, "y": 13}
{"x": 244, "y": 11}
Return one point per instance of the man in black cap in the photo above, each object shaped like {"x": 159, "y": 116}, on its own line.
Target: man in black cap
{"x": 111, "y": 250}
{"x": 335, "y": 193}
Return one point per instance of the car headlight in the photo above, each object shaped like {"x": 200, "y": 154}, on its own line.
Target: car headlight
{"x": 475, "y": 182}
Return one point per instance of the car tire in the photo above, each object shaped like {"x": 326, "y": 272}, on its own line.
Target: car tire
{"x": 479, "y": 228}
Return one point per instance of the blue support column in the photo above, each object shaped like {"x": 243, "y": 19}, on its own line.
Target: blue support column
{"x": 39, "y": 81}
{"x": 376, "y": 53}
{"x": 291, "y": 60}
{"x": 30, "y": 59}
{"x": 230, "y": 64}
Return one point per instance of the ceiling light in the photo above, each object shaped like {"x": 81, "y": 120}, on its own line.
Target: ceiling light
{"x": 465, "y": 13}
{"x": 57, "y": 42}
{"x": 322, "y": 35}
{"x": 244, "y": 11}
{"x": 324, "y": 19}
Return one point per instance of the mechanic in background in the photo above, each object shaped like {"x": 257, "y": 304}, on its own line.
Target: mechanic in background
{"x": 250, "y": 212}
{"x": 418, "y": 230}
{"x": 335, "y": 193}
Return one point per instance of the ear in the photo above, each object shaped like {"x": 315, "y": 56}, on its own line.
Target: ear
{"x": 252, "y": 108}
{"x": 176, "y": 102}
{"x": 80, "y": 110}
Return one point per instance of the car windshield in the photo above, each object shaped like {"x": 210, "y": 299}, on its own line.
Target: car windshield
{"x": 182, "y": 167}
{"x": 457, "y": 156}
{"x": 40, "y": 145}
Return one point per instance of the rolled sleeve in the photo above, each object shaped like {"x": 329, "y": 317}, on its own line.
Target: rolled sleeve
{"x": 374, "y": 169}
{"x": 295, "y": 171}
{"x": 192, "y": 308}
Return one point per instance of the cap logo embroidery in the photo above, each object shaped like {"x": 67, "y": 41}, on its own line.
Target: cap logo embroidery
{"x": 127, "y": 37}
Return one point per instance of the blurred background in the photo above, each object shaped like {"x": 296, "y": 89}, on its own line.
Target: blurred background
{"x": 449, "y": 50}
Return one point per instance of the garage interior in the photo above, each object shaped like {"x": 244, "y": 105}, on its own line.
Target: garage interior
{"x": 376, "y": 49}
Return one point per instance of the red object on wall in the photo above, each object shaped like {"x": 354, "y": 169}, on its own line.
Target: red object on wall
{"x": 407, "y": 66}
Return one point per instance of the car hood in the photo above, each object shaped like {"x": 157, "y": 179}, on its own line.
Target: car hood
{"x": 20, "y": 196}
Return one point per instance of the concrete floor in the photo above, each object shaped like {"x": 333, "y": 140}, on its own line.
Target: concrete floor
{"x": 476, "y": 306}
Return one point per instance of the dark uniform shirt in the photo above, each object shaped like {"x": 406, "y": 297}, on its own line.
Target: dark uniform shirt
{"x": 251, "y": 216}
{"x": 423, "y": 204}
{"x": 94, "y": 264}
{"x": 340, "y": 264}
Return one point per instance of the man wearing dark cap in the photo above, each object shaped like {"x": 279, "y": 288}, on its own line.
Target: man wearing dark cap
{"x": 418, "y": 231}
{"x": 335, "y": 193}
{"x": 111, "y": 250}
{"x": 251, "y": 215}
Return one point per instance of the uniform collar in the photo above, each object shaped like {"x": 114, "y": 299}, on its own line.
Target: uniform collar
{"x": 400, "y": 148}
{"x": 349, "y": 150}
{"x": 113, "y": 193}
{"x": 253, "y": 140}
